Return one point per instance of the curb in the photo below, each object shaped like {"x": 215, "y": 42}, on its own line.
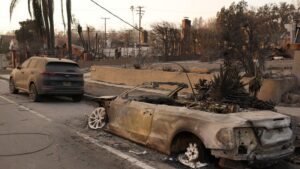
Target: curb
{"x": 4, "y": 78}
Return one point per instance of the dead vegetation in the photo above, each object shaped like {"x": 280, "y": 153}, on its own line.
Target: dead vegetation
{"x": 226, "y": 93}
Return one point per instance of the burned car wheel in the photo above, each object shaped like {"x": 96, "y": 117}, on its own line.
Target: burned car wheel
{"x": 193, "y": 156}
{"x": 97, "y": 119}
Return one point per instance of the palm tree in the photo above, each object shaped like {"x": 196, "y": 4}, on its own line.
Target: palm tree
{"x": 51, "y": 23}
{"x": 69, "y": 18}
{"x": 42, "y": 11}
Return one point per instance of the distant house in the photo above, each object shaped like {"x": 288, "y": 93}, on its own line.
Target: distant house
{"x": 5, "y": 42}
{"x": 6, "y": 38}
{"x": 126, "y": 52}
{"x": 3, "y": 61}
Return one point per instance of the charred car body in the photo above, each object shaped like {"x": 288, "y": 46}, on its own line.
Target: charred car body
{"x": 173, "y": 126}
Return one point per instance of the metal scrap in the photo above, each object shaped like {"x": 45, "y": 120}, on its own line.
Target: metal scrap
{"x": 138, "y": 152}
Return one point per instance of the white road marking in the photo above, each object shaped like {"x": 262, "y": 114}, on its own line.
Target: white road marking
{"x": 26, "y": 108}
{"x": 112, "y": 150}
{"x": 116, "y": 152}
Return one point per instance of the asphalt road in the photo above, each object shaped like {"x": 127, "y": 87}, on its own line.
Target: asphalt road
{"x": 54, "y": 135}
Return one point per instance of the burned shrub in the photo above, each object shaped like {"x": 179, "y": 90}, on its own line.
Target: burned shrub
{"x": 226, "y": 91}
{"x": 227, "y": 85}
{"x": 202, "y": 89}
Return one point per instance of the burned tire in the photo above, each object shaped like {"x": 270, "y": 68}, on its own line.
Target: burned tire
{"x": 33, "y": 93}
{"x": 77, "y": 98}
{"x": 12, "y": 87}
{"x": 194, "y": 156}
{"x": 190, "y": 151}
{"x": 97, "y": 119}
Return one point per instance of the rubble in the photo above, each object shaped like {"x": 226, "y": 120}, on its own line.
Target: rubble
{"x": 138, "y": 152}
{"x": 291, "y": 98}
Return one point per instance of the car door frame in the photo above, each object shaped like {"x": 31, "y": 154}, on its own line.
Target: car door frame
{"x": 19, "y": 75}
{"x": 29, "y": 72}
{"x": 131, "y": 119}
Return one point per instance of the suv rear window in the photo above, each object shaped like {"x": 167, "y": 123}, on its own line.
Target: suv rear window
{"x": 62, "y": 67}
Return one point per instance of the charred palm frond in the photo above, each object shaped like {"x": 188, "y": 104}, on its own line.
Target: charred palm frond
{"x": 255, "y": 85}
{"x": 221, "y": 108}
{"x": 252, "y": 102}
{"x": 227, "y": 89}
{"x": 202, "y": 89}
{"x": 264, "y": 105}
{"x": 227, "y": 85}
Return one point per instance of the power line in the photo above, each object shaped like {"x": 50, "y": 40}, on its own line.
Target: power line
{"x": 115, "y": 15}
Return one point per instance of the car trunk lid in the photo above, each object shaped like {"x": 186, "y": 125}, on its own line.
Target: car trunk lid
{"x": 62, "y": 74}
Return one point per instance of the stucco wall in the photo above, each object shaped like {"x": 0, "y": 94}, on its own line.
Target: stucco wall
{"x": 134, "y": 77}
{"x": 296, "y": 65}
{"x": 273, "y": 89}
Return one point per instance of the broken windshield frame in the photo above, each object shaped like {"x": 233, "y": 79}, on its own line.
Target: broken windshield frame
{"x": 154, "y": 85}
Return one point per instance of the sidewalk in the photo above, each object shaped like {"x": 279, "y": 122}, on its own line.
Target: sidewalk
{"x": 4, "y": 76}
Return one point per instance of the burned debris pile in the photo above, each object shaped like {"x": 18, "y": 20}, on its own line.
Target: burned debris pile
{"x": 226, "y": 93}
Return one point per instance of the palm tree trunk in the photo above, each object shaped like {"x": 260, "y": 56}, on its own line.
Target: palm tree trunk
{"x": 62, "y": 14}
{"x": 69, "y": 17}
{"x": 46, "y": 22}
{"x": 51, "y": 24}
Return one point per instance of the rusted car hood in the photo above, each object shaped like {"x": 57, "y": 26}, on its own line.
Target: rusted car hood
{"x": 239, "y": 119}
{"x": 207, "y": 124}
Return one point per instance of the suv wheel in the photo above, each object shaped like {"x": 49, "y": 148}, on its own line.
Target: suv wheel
{"x": 33, "y": 94}
{"x": 12, "y": 87}
{"x": 77, "y": 98}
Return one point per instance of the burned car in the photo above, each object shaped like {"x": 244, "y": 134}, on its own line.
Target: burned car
{"x": 175, "y": 126}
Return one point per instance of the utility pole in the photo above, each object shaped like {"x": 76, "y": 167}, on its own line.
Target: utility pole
{"x": 132, "y": 9}
{"x": 105, "y": 37}
{"x": 89, "y": 39}
{"x": 140, "y": 12}
{"x": 69, "y": 17}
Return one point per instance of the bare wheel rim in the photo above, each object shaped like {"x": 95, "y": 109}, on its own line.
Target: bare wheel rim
{"x": 97, "y": 119}
{"x": 191, "y": 157}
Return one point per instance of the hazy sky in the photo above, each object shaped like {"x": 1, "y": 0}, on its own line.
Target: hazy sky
{"x": 155, "y": 11}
